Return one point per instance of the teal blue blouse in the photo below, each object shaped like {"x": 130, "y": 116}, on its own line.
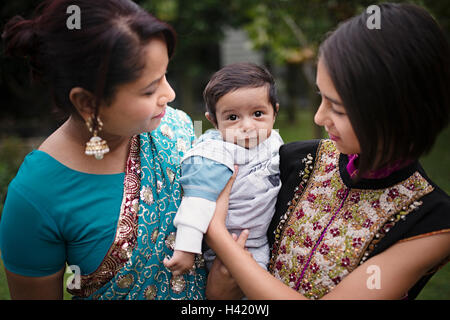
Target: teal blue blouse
{"x": 53, "y": 215}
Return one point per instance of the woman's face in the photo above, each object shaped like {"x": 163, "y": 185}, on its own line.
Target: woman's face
{"x": 332, "y": 114}
{"x": 140, "y": 105}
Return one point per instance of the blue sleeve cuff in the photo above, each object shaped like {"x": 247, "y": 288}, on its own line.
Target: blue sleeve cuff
{"x": 204, "y": 178}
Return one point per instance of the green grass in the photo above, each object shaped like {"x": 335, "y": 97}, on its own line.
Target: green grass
{"x": 4, "y": 292}
{"x": 436, "y": 164}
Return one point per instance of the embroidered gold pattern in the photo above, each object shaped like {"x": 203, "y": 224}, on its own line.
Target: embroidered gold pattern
{"x": 150, "y": 292}
{"x": 170, "y": 241}
{"x": 329, "y": 229}
{"x": 167, "y": 131}
{"x": 125, "y": 281}
{"x": 154, "y": 235}
{"x": 177, "y": 284}
{"x": 181, "y": 145}
{"x": 170, "y": 174}
{"x": 147, "y": 195}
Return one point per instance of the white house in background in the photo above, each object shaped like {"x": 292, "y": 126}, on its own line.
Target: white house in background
{"x": 237, "y": 47}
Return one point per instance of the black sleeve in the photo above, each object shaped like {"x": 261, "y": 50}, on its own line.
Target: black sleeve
{"x": 431, "y": 216}
{"x": 291, "y": 156}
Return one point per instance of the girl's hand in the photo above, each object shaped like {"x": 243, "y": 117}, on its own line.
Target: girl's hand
{"x": 221, "y": 285}
{"x": 221, "y": 211}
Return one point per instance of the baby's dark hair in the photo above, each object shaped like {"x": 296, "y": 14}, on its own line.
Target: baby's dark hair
{"x": 236, "y": 76}
{"x": 393, "y": 82}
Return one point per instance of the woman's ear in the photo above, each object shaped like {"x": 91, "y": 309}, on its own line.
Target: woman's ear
{"x": 210, "y": 119}
{"x": 83, "y": 101}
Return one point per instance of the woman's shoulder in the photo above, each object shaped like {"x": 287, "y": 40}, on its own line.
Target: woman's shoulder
{"x": 176, "y": 127}
{"x": 175, "y": 122}
{"x": 43, "y": 179}
{"x": 36, "y": 168}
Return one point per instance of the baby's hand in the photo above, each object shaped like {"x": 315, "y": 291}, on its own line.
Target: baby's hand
{"x": 180, "y": 262}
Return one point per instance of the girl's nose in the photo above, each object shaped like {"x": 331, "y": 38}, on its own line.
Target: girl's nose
{"x": 320, "y": 116}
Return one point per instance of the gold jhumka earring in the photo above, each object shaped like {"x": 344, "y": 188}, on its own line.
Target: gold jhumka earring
{"x": 96, "y": 146}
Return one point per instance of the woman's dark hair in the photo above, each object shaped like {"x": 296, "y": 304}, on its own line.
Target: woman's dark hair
{"x": 236, "y": 76}
{"x": 105, "y": 52}
{"x": 393, "y": 82}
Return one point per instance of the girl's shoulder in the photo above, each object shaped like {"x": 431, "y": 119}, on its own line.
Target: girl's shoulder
{"x": 294, "y": 150}
{"x": 293, "y": 155}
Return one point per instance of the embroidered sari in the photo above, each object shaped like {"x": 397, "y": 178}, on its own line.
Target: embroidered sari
{"x": 133, "y": 266}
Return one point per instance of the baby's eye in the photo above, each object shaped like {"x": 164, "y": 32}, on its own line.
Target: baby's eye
{"x": 232, "y": 117}
{"x": 258, "y": 114}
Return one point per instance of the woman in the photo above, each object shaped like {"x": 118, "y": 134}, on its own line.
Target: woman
{"x": 357, "y": 217}
{"x": 108, "y": 216}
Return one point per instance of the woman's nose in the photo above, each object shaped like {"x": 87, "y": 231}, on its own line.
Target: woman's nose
{"x": 168, "y": 94}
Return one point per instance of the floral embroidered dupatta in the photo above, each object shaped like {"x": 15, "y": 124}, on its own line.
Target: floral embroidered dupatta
{"x": 133, "y": 269}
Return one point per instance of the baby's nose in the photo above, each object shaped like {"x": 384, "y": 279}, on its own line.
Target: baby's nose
{"x": 247, "y": 125}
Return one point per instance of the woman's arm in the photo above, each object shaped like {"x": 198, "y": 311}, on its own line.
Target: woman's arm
{"x": 36, "y": 288}
{"x": 400, "y": 267}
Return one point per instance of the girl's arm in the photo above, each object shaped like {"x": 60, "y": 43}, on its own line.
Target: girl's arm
{"x": 221, "y": 285}
{"x": 398, "y": 268}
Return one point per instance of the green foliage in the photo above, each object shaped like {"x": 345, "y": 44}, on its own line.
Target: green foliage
{"x": 285, "y": 28}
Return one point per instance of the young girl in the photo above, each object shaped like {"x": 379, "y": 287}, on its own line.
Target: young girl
{"x": 357, "y": 217}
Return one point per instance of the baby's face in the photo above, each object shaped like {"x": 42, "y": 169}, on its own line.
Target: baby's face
{"x": 245, "y": 117}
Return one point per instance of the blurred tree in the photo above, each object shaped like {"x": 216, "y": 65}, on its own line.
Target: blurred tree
{"x": 199, "y": 26}
{"x": 290, "y": 33}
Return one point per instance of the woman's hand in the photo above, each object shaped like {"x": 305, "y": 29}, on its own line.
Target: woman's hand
{"x": 221, "y": 285}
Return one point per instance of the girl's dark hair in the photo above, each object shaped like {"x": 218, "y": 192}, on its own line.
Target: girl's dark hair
{"x": 236, "y": 76}
{"x": 103, "y": 54}
{"x": 393, "y": 82}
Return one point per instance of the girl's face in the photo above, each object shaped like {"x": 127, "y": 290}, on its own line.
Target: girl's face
{"x": 332, "y": 114}
{"x": 140, "y": 105}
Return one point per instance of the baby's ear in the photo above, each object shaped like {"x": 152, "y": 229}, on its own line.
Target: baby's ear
{"x": 210, "y": 119}
{"x": 277, "y": 108}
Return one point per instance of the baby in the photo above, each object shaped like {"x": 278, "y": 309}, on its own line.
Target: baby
{"x": 242, "y": 105}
